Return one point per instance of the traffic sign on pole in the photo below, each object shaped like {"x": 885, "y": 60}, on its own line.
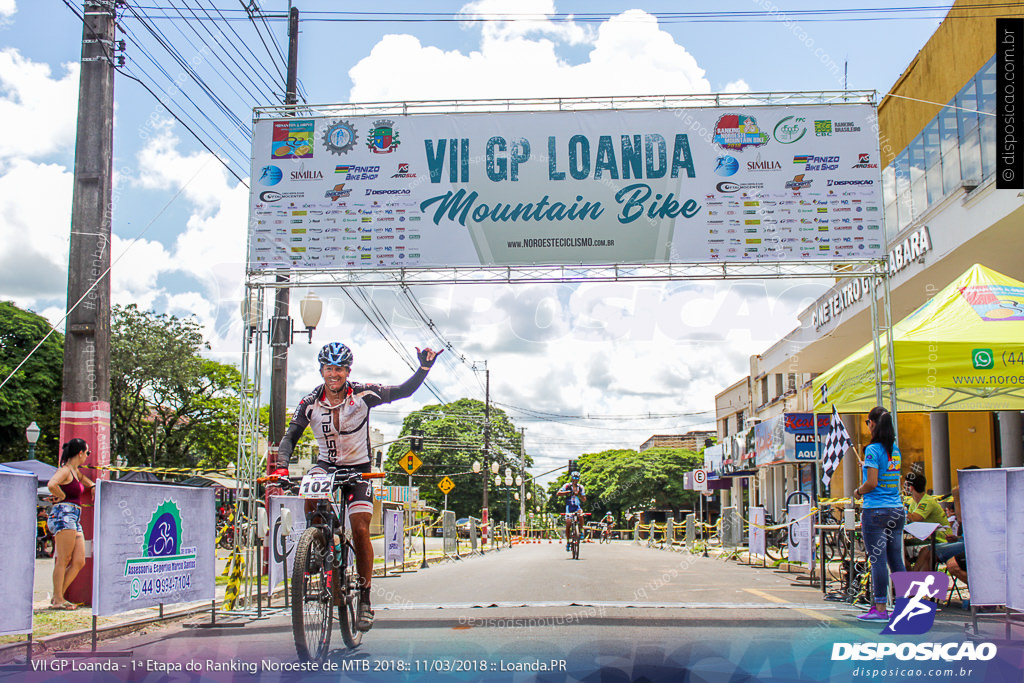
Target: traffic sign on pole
{"x": 409, "y": 462}
{"x": 700, "y": 480}
{"x": 446, "y": 485}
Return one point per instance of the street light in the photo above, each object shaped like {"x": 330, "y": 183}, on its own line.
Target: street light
{"x": 32, "y": 436}
{"x": 281, "y": 329}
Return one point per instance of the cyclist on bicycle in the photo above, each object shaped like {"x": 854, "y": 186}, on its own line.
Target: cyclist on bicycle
{"x": 607, "y": 522}
{"x": 338, "y": 412}
{"x": 574, "y": 489}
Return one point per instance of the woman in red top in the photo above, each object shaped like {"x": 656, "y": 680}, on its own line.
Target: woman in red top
{"x": 68, "y": 487}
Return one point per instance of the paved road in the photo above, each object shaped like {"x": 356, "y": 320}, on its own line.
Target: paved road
{"x": 628, "y": 611}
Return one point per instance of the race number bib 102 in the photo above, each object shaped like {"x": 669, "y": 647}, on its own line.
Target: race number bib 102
{"x": 316, "y": 485}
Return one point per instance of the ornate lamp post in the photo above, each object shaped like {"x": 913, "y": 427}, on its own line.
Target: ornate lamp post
{"x": 32, "y": 436}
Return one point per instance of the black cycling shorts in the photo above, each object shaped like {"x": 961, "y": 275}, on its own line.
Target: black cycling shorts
{"x": 358, "y": 496}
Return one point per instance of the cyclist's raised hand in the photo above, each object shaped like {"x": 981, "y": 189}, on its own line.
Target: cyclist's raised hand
{"x": 427, "y": 356}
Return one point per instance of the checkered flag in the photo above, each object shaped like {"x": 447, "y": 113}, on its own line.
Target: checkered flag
{"x": 837, "y": 442}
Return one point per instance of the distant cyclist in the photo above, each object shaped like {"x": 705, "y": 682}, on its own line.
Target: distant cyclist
{"x": 338, "y": 412}
{"x": 577, "y": 495}
{"x": 607, "y": 523}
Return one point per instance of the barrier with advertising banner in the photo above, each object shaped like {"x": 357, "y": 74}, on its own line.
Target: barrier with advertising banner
{"x": 17, "y": 562}
{"x": 155, "y": 545}
{"x": 745, "y": 183}
{"x": 449, "y": 531}
{"x": 755, "y": 535}
{"x": 801, "y": 533}
{"x": 282, "y": 548}
{"x": 989, "y": 499}
{"x": 394, "y": 528}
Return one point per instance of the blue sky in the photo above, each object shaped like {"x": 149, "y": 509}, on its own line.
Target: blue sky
{"x": 620, "y": 349}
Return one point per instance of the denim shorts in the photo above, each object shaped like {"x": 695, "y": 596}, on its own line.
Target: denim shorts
{"x": 64, "y": 516}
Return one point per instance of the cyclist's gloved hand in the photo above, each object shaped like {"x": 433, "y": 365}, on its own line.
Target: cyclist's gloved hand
{"x": 281, "y": 472}
{"x": 427, "y": 356}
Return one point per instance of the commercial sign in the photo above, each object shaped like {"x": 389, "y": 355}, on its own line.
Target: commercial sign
{"x": 156, "y": 546}
{"x": 754, "y": 184}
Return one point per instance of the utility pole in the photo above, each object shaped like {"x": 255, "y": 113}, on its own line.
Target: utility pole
{"x": 281, "y": 322}
{"x": 85, "y": 401}
{"x": 487, "y": 446}
{"x": 522, "y": 486}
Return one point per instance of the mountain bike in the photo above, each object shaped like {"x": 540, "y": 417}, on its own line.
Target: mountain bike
{"x": 324, "y": 572}
{"x": 575, "y": 531}
{"x": 606, "y": 533}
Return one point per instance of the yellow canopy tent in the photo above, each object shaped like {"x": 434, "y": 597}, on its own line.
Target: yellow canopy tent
{"x": 962, "y": 350}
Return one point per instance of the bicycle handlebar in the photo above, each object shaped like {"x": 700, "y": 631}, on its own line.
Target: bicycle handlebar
{"x": 346, "y": 479}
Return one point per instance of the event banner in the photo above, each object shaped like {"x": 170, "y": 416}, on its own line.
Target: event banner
{"x": 17, "y": 562}
{"x": 153, "y": 545}
{"x": 757, "y": 183}
{"x": 282, "y": 547}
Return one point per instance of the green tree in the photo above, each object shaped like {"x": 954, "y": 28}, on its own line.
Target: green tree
{"x": 625, "y": 480}
{"x": 34, "y": 392}
{"x": 453, "y": 436}
{"x": 170, "y": 407}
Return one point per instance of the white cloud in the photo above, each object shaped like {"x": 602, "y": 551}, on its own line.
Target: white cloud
{"x": 502, "y": 20}
{"x": 7, "y": 8}
{"x": 33, "y": 102}
{"x": 631, "y": 55}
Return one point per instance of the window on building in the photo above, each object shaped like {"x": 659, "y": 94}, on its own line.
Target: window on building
{"x": 739, "y": 422}
{"x": 764, "y": 389}
{"x": 779, "y": 377}
{"x": 791, "y": 381}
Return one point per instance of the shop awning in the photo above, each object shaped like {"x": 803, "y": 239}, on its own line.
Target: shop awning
{"x": 962, "y": 350}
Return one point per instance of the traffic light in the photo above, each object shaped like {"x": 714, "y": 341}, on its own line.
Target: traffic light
{"x": 416, "y": 441}
{"x": 572, "y": 466}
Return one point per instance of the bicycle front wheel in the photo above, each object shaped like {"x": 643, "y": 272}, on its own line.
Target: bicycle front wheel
{"x": 575, "y": 543}
{"x": 312, "y": 595}
{"x": 348, "y": 606}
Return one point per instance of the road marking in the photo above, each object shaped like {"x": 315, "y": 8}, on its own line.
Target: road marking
{"x": 802, "y": 610}
{"x": 611, "y": 604}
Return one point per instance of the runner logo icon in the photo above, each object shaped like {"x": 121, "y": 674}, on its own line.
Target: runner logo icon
{"x": 914, "y": 613}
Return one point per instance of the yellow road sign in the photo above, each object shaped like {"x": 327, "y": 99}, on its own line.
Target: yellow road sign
{"x": 446, "y": 485}
{"x": 410, "y": 463}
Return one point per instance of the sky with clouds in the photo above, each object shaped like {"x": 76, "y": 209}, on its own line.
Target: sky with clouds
{"x": 599, "y": 349}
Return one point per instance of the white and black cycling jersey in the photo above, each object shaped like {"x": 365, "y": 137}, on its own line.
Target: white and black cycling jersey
{"x": 342, "y": 430}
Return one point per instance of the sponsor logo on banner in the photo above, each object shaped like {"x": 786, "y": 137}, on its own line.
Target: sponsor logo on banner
{"x": 271, "y": 196}
{"x": 337, "y": 192}
{"x": 738, "y": 131}
{"x": 403, "y": 172}
{"x": 995, "y": 303}
{"x": 790, "y": 129}
{"x": 798, "y": 182}
{"x": 726, "y": 166}
{"x": 846, "y": 127}
{"x": 816, "y": 163}
{"x": 164, "y": 566}
{"x": 270, "y": 176}
{"x": 727, "y": 187}
{"x": 371, "y": 192}
{"x": 837, "y": 183}
{"x": 823, "y": 128}
{"x": 292, "y": 139}
{"x": 763, "y": 165}
{"x": 864, "y": 161}
{"x": 340, "y": 137}
{"x": 303, "y": 175}
{"x": 383, "y": 138}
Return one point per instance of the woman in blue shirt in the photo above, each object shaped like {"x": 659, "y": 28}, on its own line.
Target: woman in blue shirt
{"x": 882, "y": 514}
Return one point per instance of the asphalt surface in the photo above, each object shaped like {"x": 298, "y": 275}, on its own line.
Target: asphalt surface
{"x": 621, "y": 612}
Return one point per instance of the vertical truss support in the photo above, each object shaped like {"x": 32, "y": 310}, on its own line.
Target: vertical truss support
{"x": 249, "y": 463}
{"x": 881, "y": 324}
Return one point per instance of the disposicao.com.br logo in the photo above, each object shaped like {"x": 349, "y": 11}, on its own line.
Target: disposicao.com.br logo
{"x": 914, "y": 614}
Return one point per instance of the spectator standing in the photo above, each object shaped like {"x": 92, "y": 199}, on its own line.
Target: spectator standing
{"x": 68, "y": 486}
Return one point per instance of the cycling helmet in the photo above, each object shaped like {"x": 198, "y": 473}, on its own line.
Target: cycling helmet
{"x": 574, "y": 476}
{"x": 335, "y": 353}
{"x": 609, "y": 513}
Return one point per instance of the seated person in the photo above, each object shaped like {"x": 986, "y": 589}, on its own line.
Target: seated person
{"x": 922, "y": 507}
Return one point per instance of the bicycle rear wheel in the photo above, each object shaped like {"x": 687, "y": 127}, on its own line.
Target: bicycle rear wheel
{"x": 312, "y": 595}
{"x": 575, "y": 542}
{"x": 351, "y": 597}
